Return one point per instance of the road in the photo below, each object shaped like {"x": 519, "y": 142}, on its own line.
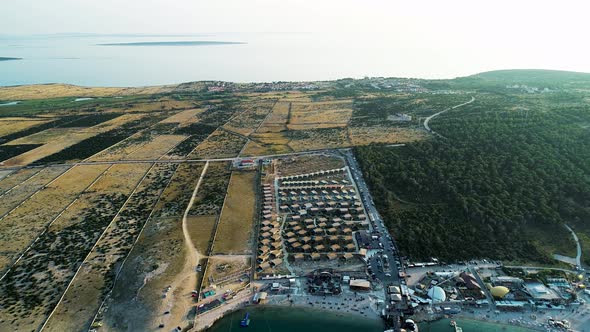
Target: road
{"x": 171, "y": 161}
{"x": 427, "y": 120}
{"x": 387, "y": 275}
{"x": 578, "y": 247}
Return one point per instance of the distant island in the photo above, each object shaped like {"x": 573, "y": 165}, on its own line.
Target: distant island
{"x": 173, "y": 43}
{"x": 8, "y": 59}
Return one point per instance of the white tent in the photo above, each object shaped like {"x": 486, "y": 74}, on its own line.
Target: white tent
{"x": 437, "y": 294}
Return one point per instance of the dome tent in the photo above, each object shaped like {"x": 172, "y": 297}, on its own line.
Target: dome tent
{"x": 499, "y": 292}
{"x": 437, "y": 294}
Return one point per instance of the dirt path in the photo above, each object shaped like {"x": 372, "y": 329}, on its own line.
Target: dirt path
{"x": 179, "y": 300}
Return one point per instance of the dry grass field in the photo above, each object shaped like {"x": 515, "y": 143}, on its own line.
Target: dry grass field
{"x": 320, "y": 115}
{"x": 235, "y": 228}
{"x": 277, "y": 120}
{"x": 308, "y": 163}
{"x": 51, "y": 147}
{"x": 201, "y": 230}
{"x": 45, "y": 270}
{"x": 96, "y": 276}
{"x": 249, "y": 120}
{"x": 157, "y": 259}
{"x": 184, "y": 117}
{"x": 367, "y": 135}
{"x": 328, "y": 138}
{"x": 19, "y": 228}
{"x": 13, "y": 125}
{"x": 13, "y": 178}
{"x": 115, "y": 123}
{"x": 266, "y": 143}
{"x": 46, "y": 136}
{"x": 155, "y": 148}
{"x": 178, "y": 193}
{"x": 163, "y": 104}
{"x": 44, "y": 91}
{"x": 16, "y": 196}
{"x": 220, "y": 144}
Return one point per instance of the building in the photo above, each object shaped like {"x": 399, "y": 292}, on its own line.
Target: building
{"x": 360, "y": 285}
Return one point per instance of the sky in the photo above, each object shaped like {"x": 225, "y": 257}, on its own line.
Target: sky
{"x": 488, "y": 34}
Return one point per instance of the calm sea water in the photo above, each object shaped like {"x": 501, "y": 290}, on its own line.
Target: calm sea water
{"x": 264, "y": 57}
{"x": 278, "y": 319}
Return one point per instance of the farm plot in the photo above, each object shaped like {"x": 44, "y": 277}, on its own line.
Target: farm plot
{"x": 201, "y": 229}
{"x": 156, "y": 148}
{"x": 97, "y": 274}
{"x": 277, "y": 120}
{"x": 246, "y": 122}
{"x": 45, "y": 136}
{"x": 220, "y": 144}
{"x": 308, "y": 163}
{"x": 328, "y": 138}
{"x": 53, "y": 146}
{"x": 19, "y": 228}
{"x": 237, "y": 217}
{"x": 34, "y": 284}
{"x": 209, "y": 200}
{"x": 320, "y": 115}
{"x": 267, "y": 143}
{"x": 176, "y": 197}
{"x": 16, "y": 196}
{"x": 115, "y": 123}
{"x": 13, "y": 125}
{"x": 184, "y": 117}
{"x": 14, "y": 178}
{"x": 157, "y": 258}
{"x": 197, "y": 134}
{"x": 382, "y": 134}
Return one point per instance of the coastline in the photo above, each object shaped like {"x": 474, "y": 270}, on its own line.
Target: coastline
{"x": 208, "y": 319}
{"x": 9, "y": 58}
{"x": 261, "y": 312}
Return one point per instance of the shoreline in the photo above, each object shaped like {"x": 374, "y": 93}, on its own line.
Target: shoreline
{"x": 219, "y": 313}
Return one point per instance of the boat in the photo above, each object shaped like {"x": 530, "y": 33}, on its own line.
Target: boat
{"x": 410, "y": 326}
{"x": 246, "y": 321}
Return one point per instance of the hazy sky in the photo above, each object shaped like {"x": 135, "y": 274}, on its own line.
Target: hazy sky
{"x": 490, "y": 34}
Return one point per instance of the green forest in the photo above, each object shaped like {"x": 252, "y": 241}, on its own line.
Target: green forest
{"x": 509, "y": 170}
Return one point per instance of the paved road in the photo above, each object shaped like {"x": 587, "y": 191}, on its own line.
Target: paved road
{"x": 427, "y": 120}
{"x": 171, "y": 161}
{"x": 579, "y": 248}
{"x": 387, "y": 275}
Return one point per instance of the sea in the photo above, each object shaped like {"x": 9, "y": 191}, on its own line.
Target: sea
{"x": 284, "y": 319}
{"x": 143, "y": 60}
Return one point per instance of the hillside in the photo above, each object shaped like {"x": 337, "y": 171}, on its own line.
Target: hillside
{"x": 509, "y": 170}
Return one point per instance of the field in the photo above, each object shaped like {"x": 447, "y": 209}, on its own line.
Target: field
{"x": 234, "y": 232}
{"x": 14, "y": 178}
{"x": 17, "y": 195}
{"x": 13, "y": 125}
{"x": 97, "y": 274}
{"x": 19, "y": 228}
{"x": 157, "y": 258}
{"x": 32, "y": 285}
{"x": 320, "y": 115}
{"x": 220, "y": 144}
{"x": 277, "y": 120}
{"x": 249, "y": 120}
{"x": 53, "y": 146}
{"x": 381, "y": 134}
